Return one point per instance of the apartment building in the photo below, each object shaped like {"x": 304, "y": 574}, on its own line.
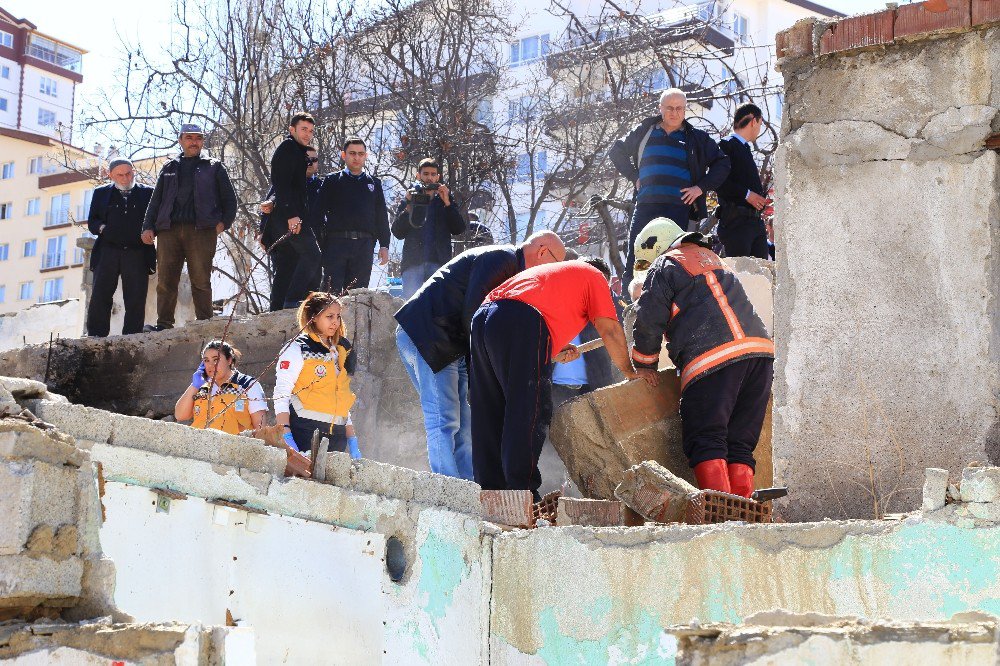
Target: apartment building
{"x": 38, "y": 79}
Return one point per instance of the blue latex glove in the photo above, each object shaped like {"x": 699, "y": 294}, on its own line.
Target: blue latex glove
{"x": 352, "y": 447}
{"x": 198, "y": 378}
{"x": 290, "y": 441}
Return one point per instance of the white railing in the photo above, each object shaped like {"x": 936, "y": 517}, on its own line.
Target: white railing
{"x": 82, "y": 212}
{"x": 53, "y": 260}
{"x": 56, "y": 217}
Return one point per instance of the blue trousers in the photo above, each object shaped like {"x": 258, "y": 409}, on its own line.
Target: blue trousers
{"x": 510, "y": 390}
{"x": 642, "y": 215}
{"x": 415, "y": 276}
{"x": 444, "y": 400}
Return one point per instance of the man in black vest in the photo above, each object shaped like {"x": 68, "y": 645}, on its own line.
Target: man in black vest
{"x": 289, "y": 165}
{"x": 355, "y": 216}
{"x": 116, "y": 214}
{"x": 741, "y": 197}
{"x": 193, "y": 202}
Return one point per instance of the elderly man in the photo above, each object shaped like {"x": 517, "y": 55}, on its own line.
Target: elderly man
{"x": 116, "y": 214}
{"x": 433, "y": 340}
{"x": 672, "y": 165}
{"x": 193, "y": 202}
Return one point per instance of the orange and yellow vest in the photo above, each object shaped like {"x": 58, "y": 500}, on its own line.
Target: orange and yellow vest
{"x": 228, "y": 410}
{"x": 322, "y": 391}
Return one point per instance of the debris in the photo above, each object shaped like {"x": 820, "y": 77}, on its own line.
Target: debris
{"x": 935, "y": 488}
{"x": 590, "y": 513}
{"x": 653, "y": 492}
{"x": 507, "y": 507}
{"x": 711, "y": 506}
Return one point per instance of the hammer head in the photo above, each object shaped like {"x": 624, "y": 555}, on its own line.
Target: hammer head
{"x": 768, "y": 494}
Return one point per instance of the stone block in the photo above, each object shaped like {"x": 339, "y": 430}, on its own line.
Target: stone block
{"x": 21, "y": 440}
{"x": 449, "y": 492}
{"x": 338, "y": 469}
{"x": 981, "y": 484}
{"x": 76, "y": 420}
{"x": 34, "y": 493}
{"x": 654, "y": 493}
{"x": 857, "y": 32}
{"x": 370, "y": 476}
{"x": 916, "y": 21}
{"x": 507, "y": 507}
{"x": 26, "y": 582}
{"x": 22, "y": 388}
{"x": 589, "y": 513}
{"x": 935, "y": 488}
{"x": 985, "y": 12}
{"x": 603, "y": 433}
{"x": 797, "y": 41}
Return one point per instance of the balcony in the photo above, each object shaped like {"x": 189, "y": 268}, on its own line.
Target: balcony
{"x": 82, "y": 212}
{"x": 53, "y": 261}
{"x": 56, "y": 218}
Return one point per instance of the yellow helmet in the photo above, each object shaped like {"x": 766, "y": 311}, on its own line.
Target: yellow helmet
{"x": 654, "y": 239}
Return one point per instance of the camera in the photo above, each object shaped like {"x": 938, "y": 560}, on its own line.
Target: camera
{"x": 419, "y": 193}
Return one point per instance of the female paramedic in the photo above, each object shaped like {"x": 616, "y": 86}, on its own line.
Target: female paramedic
{"x": 221, "y": 397}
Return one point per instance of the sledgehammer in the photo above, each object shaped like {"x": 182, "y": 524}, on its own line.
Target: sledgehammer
{"x": 590, "y": 346}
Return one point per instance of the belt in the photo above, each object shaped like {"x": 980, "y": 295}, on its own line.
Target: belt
{"x": 353, "y": 235}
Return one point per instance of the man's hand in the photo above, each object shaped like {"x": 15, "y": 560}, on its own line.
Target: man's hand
{"x": 568, "y": 354}
{"x": 147, "y": 236}
{"x": 383, "y": 256}
{"x": 294, "y": 224}
{"x": 409, "y": 194}
{"x": 219, "y": 228}
{"x": 266, "y": 207}
{"x": 444, "y": 194}
{"x": 648, "y": 375}
{"x": 756, "y": 201}
{"x": 690, "y": 194}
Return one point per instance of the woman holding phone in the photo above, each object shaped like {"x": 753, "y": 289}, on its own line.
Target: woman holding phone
{"x": 220, "y": 397}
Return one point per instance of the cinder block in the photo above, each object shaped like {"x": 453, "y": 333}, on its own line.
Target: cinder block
{"x": 21, "y": 440}
{"x": 29, "y": 581}
{"x": 369, "y": 476}
{"x": 653, "y": 492}
{"x": 935, "y": 488}
{"x": 981, "y": 484}
{"x": 985, "y": 12}
{"x": 338, "y": 469}
{"x": 507, "y": 507}
{"x": 34, "y": 493}
{"x": 459, "y": 495}
{"x": 590, "y": 513}
{"x": 20, "y": 387}
{"x": 797, "y": 41}
{"x": 858, "y": 32}
{"x": 913, "y": 20}
{"x": 76, "y": 420}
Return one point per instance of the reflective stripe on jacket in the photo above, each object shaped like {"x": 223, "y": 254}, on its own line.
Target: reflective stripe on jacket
{"x": 313, "y": 381}
{"x": 228, "y": 410}
{"x": 698, "y": 303}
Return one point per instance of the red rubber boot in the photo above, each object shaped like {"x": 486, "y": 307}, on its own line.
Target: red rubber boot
{"x": 712, "y": 475}
{"x": 741, "y": 479}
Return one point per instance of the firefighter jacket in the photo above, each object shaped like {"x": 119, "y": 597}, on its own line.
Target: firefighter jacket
{"x": 693, "y": 299}
{"x": 230, "y": 406}
{"x": 313, "y": 382}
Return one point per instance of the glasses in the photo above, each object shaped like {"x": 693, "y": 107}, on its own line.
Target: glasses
{"x": 673, "y": 109}
{"x": 312, "y": 160}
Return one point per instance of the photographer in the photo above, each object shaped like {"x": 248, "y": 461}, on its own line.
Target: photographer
{"x": 425, "y": 222}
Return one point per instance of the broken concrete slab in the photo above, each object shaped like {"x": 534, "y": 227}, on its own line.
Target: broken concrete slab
{"x": 654, "y": 493}
{"x": 935, "y": 488}
{"x": 605, "y": 432}
{"x": 981, "y": 484}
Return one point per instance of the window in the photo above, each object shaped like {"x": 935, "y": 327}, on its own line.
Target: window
{"x": 529, "y": 49}
{"x": 524, "y": 165}
{"x": 27, "y": 291}
{"x": 55, "y": 252}
{"x": 59, "y": 212}
{"x": 779, "y": 106}
{"x": 83, "y": 210}
{"x": 57, "y": 54}
{"x": 521, "y": 110}
{"x": 34, "y": 206}
{"x": 4, "y": 72}
{"x": 52, "y": 290}
{"x": 7, "y": 171}
{"x": 30, "y": 248}
{"x": 3, "y": 293}
{"x": 46, "y": 118}
{"x": 3, "y": 103}
{"x": 35, "y": 165}
{"x": 47, "y": 86}
{"x": 6, "y": 39}
{"x": 4, "y": 251}
{"x": 6, "y": 210}
{"x": 740, "y": 27}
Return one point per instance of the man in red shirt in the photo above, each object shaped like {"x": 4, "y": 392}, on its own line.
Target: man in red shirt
{"x": 521, "y": 328}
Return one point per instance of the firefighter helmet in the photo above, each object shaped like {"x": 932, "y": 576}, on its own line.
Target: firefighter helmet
{"x": 655, "y": 239}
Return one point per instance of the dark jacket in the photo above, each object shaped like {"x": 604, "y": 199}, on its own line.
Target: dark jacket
{"x": 271, "y": 228}
{"x": 692, "y": 297}
{"x": 426, "y": 231}
{"x": 122, "y": 228}
{"x": 743, "y": 176}
{"x": 708, "y": 165}
{"x": 354, "y": 203}
{"x": 438, "y": 318}
{"x": 214, "y": 196}
{"x": 288, "y": 179}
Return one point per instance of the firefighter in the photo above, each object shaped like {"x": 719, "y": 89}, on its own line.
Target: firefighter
{"x": 720, "y": 346}
{"x": 312, "y": 387}
{"x": 220, "y": 397}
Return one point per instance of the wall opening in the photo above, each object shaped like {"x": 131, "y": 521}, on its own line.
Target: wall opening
{"x": 395, "y": 559}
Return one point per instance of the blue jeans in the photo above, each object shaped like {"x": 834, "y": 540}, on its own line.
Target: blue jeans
{"x": 444, "y": 400}
{"x": 643, "y": 214}
{"x": 415, "y": 276}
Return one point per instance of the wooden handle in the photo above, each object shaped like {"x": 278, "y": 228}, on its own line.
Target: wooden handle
{"x": 590, "y": 346}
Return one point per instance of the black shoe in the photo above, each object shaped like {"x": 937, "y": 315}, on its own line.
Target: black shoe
{"x": 153, "y": 328}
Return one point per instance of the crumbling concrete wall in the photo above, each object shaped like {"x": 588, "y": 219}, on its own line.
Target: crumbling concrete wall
{"x": 145, "y": 374}
{"x": 34, "y": 325}
{"x": 887, "y": 218}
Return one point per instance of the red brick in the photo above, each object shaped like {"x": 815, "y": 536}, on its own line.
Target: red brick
{"x": 914, "y": 19}
{"x": 507, "y": 507}
{"x": 985, "y": 11}
{"x": 797, "y": 41}
{"x": 858, "y": 32}
{"x": 591, "y": 513}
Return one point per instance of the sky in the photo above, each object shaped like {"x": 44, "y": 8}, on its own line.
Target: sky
{"x": 148, "y": 23}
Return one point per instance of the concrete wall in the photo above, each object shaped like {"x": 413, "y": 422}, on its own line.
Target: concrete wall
{"x": 887, "y": 216}
{"x": 34, "y": 325}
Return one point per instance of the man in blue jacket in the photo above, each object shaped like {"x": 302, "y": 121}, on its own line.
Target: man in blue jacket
{"x": 425, "y": 222}
{"x": 672, "y": 165}
{"x": 434, "y": 334}
{"x": 116, "y": 213}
